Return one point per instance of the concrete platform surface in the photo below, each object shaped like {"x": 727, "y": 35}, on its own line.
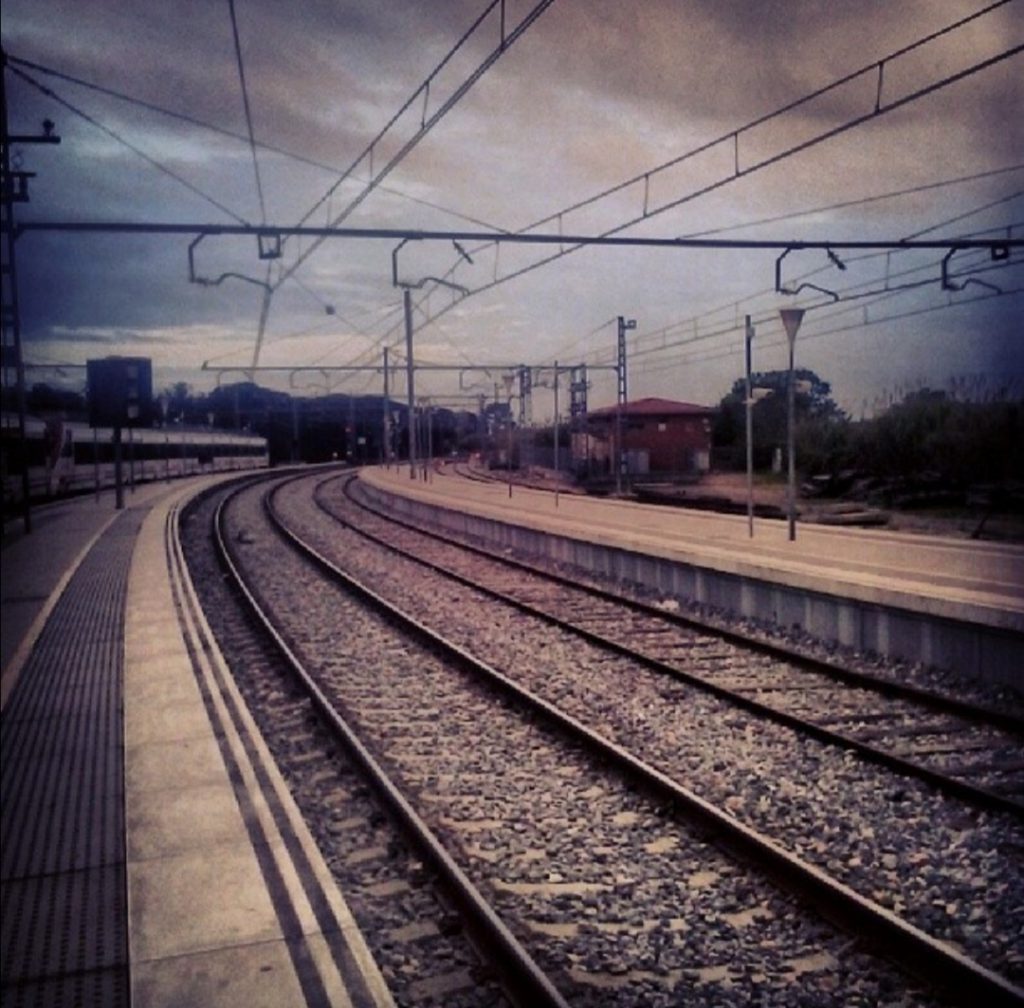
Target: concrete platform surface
{"x": 931, "y": 573}
{"x": 227, "y": 899}
{"x": 955, "y": 604}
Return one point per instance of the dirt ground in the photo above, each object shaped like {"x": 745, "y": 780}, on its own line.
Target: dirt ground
{"x": 960, "y": 523}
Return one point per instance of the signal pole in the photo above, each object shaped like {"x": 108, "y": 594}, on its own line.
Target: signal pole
{"x": 620, "y": 460}
{"x": 410, "y": 395}
{"x": 750, "y": 435}
{"x": 15, "y": 190}
{"x": 386, "y": 459}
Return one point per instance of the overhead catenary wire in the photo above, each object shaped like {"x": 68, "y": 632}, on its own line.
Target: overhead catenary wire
{"x": 733, "y": 306}
{"x": 425, "y": 127}
{"x": 231, "y": 134}
{"x": 295, "y": 277}
{"x": 770, "y": 320}
{"x": 719, "y": 353}
{"x": 733, "y": 136}
{"x": 64, "y": 103}
{"x": 248, "y": 110}
{"x": 705, "y": 190}
{"x": 864, "y": 201}
{"x": 427, "y": 124}
{"x": 663, "y": 331}
{"x": 668, "y": 356}
{"x": 770, "y": 317}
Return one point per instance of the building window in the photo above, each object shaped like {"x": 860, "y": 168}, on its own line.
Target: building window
{"x": 662, "y": 428}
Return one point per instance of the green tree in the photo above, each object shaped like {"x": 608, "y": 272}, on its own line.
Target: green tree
{"x": 820, "y": 432}
{"x": 179, "y": 402}
{"x": 930, "y": 433}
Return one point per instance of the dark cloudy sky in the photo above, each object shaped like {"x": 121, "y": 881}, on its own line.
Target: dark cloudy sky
{"x": 593, "y": 94}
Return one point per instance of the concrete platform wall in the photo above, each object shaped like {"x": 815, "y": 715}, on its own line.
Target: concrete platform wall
{"x": 968, "y": 648}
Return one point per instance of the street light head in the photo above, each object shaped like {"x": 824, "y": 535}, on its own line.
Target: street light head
{"x": 791, "y": 319}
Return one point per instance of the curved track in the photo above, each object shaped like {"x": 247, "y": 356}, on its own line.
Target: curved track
{"x": 556, "y": 874}
{"x": 395, "y": 878}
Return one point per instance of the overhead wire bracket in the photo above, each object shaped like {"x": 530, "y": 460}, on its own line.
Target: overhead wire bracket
{"x": 781, "y": 288}
{"x": 269, "y": 245}
{"x": 193, "y": 277}
{"x": 998, "y": 252}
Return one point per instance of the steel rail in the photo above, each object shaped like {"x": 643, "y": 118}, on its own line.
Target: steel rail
{"x": 523, "y": 980}
{"x": 933, "y": 961}
{"x": 938, "y": 701}
{"x": 956, "y": 787}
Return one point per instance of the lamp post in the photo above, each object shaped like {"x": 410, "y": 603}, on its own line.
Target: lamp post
{"x": 791, "y": 319}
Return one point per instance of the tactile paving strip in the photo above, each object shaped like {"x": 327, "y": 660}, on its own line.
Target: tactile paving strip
{"x": 63, "y": 935}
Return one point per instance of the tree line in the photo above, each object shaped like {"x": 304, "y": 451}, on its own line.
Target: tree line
{"x": 930, "y": 434}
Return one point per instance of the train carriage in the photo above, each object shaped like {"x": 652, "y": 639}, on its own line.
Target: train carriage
{"x": 68, "y": 457}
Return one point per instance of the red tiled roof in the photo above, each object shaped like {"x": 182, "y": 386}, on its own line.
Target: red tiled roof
{"x": 654, "y": 407}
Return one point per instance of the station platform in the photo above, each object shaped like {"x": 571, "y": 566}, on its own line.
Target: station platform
{"x": 152, "y": 855}
{"x": 954, "y": 603}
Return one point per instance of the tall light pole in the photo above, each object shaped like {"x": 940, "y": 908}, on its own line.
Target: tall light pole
{"x": 791, "y": 319}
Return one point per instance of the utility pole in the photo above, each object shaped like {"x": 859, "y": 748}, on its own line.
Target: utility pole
{"x": 525, "y": 415}
{"x": 15, "y": 190}
{"x": 350, "y": 435}
{"x": 556, "y": 427}
{"x": 386, "y": 447}
{"x": 750, "y": 433}
{"x": 409, "y": 368}
{"x": 508, "y": 379}
{"x": 578, "y": 408}
{"x": 620, "y": 401}
{"x": 428, "y": 469}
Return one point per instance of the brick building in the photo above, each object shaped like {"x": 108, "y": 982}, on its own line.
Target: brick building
{"x": 660, "y": 436}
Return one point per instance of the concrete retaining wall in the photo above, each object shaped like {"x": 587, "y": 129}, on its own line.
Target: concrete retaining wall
{"x": 974, "y": 649}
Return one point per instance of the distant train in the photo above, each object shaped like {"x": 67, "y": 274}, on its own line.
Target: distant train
{"x": 69, "y": 457}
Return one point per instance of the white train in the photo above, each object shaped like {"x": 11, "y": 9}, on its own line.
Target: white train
{"x": 68, "y": 457}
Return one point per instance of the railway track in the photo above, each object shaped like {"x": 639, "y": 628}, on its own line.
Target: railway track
{"x": 616, "y": 892}
{"x": 966, "y": 750}
{"x": 412, "y": 924}
{"x": 952, "y": 869}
